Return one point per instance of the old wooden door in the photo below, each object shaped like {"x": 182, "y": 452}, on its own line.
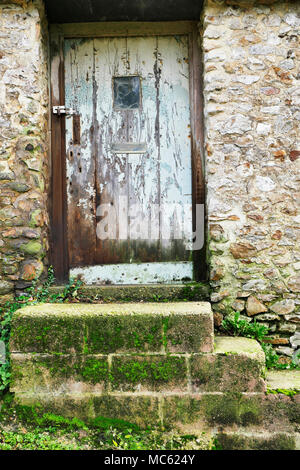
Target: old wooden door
{"x": 129, "y": 181}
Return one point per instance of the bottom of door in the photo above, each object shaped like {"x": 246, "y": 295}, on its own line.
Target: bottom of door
{"x": 143, "y": 273}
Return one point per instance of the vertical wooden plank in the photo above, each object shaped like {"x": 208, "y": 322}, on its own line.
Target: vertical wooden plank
{"x": 59, "y": 252}
{"x": 111, "y": 169}
{"x": 143, "y": 168}
{"x": 197, "y": 136}
{"x": 81, "y": 151}
{"x": 175, "y": 145}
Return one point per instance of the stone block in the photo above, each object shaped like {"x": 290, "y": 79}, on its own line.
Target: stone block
{"x": 237, "y": 364}
{"x": 190, "y": 332}
{"x": 52, "y": 374}
{"x": 138, "y": 293}
{"x": 149, "y": 373}
{"x": 257, "y": 441}
{"x": 126, "y": 410}
{"x": 232, "y": 410}
{"x": 283, "y": 380}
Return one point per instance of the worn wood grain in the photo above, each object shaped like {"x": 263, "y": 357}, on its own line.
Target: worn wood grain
{"x": 126, "y": 29}
{"x": 197, "y": 138}
{"x": 99, "y": 176}
{"x": 79, "y": 70}
{"x": 170, "y": 70}
{"x": 59, "y": 241}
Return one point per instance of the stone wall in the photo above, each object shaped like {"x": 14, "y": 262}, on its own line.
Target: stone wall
{"x": 23, "y": 144}
{"x": 252, "y": 145}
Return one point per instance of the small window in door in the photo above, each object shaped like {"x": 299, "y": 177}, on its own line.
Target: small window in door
{"x": 127, "y": 92}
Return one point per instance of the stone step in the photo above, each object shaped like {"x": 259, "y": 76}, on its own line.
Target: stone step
{"x": 236, "y": 420}
{"x": 237, "y": 364}
{"x": 152, "y": 364}
{"x": 137, "y": 293}
{"x": 243, "y": 440}
{"x": 285, "y": 380}
{"x": 182, "y": 327}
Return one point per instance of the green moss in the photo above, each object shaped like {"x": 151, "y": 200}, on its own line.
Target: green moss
{"x": 195, "y": 291}
{"x": 130, "y": 333}
{"x": 104, "y": 423}
{"x": 232, "y": 408}
{"x": 34, "y": 222}
{"x": 47, "y": 334}
{"x": 165, "y": 330}
{"x": 152, "y": 372}
{"x": 94, "y": 370}
{"x": 34, "y": 415}
{"x": 251, "y": 442}
{"x": 288, "y": 393}
{"x": 34, "y": 372}
{"x": 31, "y": 248}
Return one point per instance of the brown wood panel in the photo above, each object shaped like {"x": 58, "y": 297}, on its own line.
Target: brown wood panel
{"x": 125, "y": 29}
{"x": 58, "y": 237}
{"x": 197, "y": 136}
{"x": 81, "y": 144}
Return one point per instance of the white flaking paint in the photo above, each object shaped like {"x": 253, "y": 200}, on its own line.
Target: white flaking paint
{"x": 144, "y": 273}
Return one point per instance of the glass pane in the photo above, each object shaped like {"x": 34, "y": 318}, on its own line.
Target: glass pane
{"x": 126, "y": 92}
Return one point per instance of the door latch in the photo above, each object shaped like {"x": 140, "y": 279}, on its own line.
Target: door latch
{"x": 59, "y": 110}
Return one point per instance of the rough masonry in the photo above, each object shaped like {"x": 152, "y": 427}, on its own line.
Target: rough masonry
{"x": 252, "y": 147}
{"x": 23, "y": 144}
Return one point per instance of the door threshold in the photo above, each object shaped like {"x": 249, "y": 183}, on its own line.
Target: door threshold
{"x": 141, "y": 293}
{"x": 135, "y": 274}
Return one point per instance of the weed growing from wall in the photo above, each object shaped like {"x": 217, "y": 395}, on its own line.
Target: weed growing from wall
{"x": 239, "y": 326}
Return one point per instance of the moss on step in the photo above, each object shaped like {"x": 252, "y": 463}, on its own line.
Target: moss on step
{"x": 237, "y": 364}
{"x": 263, "y": 441}
{"x": 60, "y": 374}
{"x": 104, "y": 329}
{"x": 189, "y": 333}
{"x": 151, "y": 373}
{"x": 140, "y": 410}
{"x": 211, "y": 410}
{"x": 288, "y": 380}
{"x": 147, "y": 293}
{"x": 186, "y": 412}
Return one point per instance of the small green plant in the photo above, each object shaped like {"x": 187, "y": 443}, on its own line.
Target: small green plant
{"x": 273, "y": 360}
{"x": 238, "y": 326}
{"x": 10, "y": 440}
{"x": 71, "y": 289}
{"x": 6, "y": 313}
{"x": 40, "y": 293}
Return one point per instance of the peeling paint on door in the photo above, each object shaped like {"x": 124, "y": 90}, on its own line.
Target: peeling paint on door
{"x": 154, "y": 172}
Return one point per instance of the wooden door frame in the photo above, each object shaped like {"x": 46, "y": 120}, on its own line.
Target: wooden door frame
{"x": 58, "y": 197}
